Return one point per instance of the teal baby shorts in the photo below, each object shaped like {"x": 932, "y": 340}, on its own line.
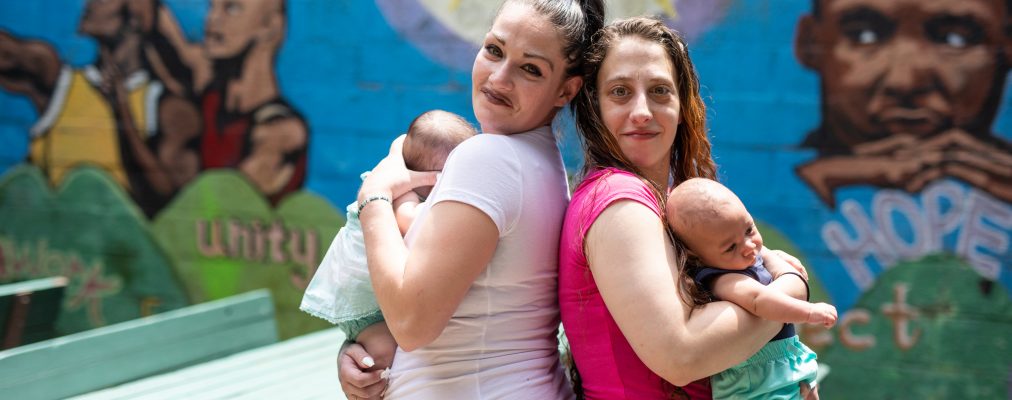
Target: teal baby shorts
{"x": 772, "y": 373}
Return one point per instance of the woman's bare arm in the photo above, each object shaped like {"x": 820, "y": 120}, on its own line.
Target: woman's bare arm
{"x": 633, "y": 264}
{"x": 419, "y": 291}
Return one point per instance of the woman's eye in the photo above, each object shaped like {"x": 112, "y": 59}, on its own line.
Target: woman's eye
{"x": 662, "y": 90}
{"x": 493, "y": 50}
{"x": 619, "y": 91}
{"x": 532, "y": 69}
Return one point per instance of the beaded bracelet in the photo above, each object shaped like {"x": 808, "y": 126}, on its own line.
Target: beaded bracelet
{"x": 370, "y": 199}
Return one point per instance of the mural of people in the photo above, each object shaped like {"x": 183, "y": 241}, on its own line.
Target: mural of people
{"x": 910, "y": 90}
{"x": 83, "y": 120}
{"x": 246, "y": 124}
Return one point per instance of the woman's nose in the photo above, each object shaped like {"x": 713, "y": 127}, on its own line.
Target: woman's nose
{"x": 500, "y": 79}
{"x": 640, "y": 113}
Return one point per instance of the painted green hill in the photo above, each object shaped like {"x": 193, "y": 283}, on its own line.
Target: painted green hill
{"x": 224, "y": 238}
{"x": 90, "y": 231}
{"x": 958, "y": 339}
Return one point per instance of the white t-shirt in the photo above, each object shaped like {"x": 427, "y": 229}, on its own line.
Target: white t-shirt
{"x": 501, "y": 341}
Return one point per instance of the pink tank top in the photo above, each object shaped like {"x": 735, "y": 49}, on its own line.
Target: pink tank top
{"x": 608, "y": 366}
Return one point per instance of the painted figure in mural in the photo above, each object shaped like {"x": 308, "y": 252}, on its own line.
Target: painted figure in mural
{"x": 643, "y": 125}
{"x": 470, "y": 293}
{"x": 103, "y": 114}
{"x": 340, "y": 291}
{"x": 245, "y": 123}
{"x": 910, "y": 90}
{"x": 726, "y": 260}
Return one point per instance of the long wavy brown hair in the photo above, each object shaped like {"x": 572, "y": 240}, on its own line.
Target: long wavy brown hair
{"x": 690, "y": 153}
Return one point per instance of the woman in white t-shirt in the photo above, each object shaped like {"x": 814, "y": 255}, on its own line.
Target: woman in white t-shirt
{"x": 469, "y": 294}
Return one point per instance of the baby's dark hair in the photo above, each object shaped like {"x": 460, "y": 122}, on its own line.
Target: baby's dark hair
{"x": 431, "y": 137}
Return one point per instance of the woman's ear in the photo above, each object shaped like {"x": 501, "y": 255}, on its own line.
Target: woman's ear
{"x": 569, "y": 89}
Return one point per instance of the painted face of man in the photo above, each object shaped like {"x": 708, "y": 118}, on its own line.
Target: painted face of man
{"x": 916, "y": 67}
{"x": 233, "y": 25}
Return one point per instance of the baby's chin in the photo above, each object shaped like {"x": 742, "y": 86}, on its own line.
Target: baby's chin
{"x": 736, "y": 267}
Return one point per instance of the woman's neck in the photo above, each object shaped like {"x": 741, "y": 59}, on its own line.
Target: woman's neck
{"x": 658, "y": 175}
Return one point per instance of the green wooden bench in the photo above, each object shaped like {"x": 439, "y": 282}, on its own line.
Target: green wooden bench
{"x": 111, "y": 355}
{"x": 300, "y": 368}
{"x": 28, "y": 310}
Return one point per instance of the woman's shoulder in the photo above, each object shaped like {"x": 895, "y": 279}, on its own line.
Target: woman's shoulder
{"x": 612, "y": 180}
{"x": 603, "y": 187}
{"x": 484, "y": 147}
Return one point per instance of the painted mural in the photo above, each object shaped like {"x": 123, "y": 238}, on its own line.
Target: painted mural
{"x": 163, "y": 153}
{"x": 165, "y": 123}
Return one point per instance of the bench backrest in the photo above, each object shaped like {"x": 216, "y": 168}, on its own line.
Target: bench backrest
{"x": 28, "y": 310}
{"x": 111, "y": 355}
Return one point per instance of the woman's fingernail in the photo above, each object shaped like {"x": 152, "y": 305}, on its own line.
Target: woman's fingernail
{"x": 368, "y": 361}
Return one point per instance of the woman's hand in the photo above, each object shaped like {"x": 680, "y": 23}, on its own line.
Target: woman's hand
{"x": 791, "y": 261}
{"x": 355, "y": 371}
{"x": 392, "y": 178}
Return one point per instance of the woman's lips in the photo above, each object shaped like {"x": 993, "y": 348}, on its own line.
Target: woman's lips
{"x": 496, "y": 98}
{"x": 640, "y": 135}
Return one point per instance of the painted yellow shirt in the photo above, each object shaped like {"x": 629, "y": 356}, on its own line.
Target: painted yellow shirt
{"x": 79, "y": 126}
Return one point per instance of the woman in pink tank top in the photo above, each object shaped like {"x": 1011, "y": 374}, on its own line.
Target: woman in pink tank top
{"x": 642, "y": 122}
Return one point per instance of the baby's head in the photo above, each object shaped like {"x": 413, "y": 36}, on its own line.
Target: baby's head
{"x": 713, "y": 224}
{"x": 431, "y": 137}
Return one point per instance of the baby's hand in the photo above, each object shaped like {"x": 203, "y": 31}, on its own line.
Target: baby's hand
{"x": 822, "y": 313}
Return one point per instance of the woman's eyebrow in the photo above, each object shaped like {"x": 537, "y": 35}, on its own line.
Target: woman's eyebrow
{"x": 551, "y": 65}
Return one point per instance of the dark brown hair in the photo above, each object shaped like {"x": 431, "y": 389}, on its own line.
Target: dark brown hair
{"x": 431, "y": 137}
{"x": 576, "y": 21}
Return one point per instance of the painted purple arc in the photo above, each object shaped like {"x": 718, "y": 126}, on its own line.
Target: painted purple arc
{"x": 412, "y": 21}
{"x": 415, "y": 23}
